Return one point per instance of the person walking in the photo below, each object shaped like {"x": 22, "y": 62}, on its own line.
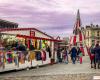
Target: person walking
{"x": 80, "y": 57}
{"x": 73, "y": 54}
{"x": 65, "y": 56}
{"x": 78, "y": 52}
{"x": 92, "y": 56}
{"x": 59, "y": 55}
{"x": 97, "y": 55}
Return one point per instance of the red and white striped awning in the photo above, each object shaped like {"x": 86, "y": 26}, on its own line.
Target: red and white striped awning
{"x": 78, "y": 37}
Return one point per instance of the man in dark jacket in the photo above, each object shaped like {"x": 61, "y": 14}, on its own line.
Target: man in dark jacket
{"x": 73, "y": 54}
{"x": 97, "y": 55}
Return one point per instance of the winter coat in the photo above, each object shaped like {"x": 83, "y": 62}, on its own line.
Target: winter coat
{"x": 97, "y": 53}
{"x": 73, "y": 52}
{"x": 58, "y": 53}
{"x": 78, "y": 51}
{"x": 91, "y": 53}
{"x": 65, "y": 54}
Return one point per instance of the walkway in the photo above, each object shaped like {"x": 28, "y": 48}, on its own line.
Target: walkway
{"x": 59, "y": 71}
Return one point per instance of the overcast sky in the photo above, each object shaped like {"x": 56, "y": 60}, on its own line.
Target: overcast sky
{"x": 55, "y": 17}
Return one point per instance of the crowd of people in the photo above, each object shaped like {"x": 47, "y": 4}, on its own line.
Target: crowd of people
{"x": 75, "y": 54}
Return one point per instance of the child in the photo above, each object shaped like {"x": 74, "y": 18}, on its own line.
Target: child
{"x": 80, "y": 56}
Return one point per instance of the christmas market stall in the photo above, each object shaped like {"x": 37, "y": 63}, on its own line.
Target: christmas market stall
{"x": 24, "y": 48}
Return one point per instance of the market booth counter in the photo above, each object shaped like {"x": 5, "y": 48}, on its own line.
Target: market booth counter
{"x": 39, "y": 58}
{"x": 48, "y": 60}
{"x": 22, "y": 60}
{"x": 7, "y": 60}
{"x": 15, "y": 60}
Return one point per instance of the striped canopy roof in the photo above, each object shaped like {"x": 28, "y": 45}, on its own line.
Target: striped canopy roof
{"x": 78, "y": 37}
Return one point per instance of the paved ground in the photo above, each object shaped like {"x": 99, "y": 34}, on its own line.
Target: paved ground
{"x": 55, "y": 72}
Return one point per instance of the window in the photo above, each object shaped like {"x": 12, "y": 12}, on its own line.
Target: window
{"x": 93, "y": 41}
{"x": 32, "y": 33}
{"x": 88, "y": 33}
{"x": 98, "y": 38}
{"x": 97, "y": 33}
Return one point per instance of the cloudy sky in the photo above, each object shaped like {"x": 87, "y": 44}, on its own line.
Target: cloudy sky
{"x": 55, "y": 17}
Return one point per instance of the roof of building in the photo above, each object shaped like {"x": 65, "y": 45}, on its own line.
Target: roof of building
{"x": 5, "y": 21}
{"x": 16, "y": 29}
{"x": 58, "y": 37}
{"x": 92, "y": 27}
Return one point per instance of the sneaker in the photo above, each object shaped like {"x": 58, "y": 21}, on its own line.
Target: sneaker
{"x": 94, "y": 67}
{"x": 91, "y": 66}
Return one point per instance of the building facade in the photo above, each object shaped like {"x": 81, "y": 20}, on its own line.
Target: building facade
{"x": 7, "y": 24}
{"x": 92, "y": 34}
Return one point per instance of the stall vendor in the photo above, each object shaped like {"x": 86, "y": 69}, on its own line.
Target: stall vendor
{"x": 21, "y": 47}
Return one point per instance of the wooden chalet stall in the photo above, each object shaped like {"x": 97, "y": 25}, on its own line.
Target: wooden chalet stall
{"x": 38, "y": 48}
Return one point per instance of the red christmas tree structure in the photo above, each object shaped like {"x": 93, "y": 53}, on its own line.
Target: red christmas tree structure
{"x": 78, "y": 37}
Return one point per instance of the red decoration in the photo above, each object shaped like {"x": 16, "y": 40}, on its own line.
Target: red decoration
{"x": 30, "y": 37}
{"x": 80, "y": 36}
{"x": 28, "y": 43}
{"x": 74, "y": 40}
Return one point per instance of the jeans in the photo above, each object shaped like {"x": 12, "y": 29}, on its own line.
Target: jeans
{"x": 15, "y": 60}
{"x": 73, "y": 60}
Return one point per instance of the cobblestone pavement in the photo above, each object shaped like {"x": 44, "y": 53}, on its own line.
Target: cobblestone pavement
{"x": 59, "y": 71}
